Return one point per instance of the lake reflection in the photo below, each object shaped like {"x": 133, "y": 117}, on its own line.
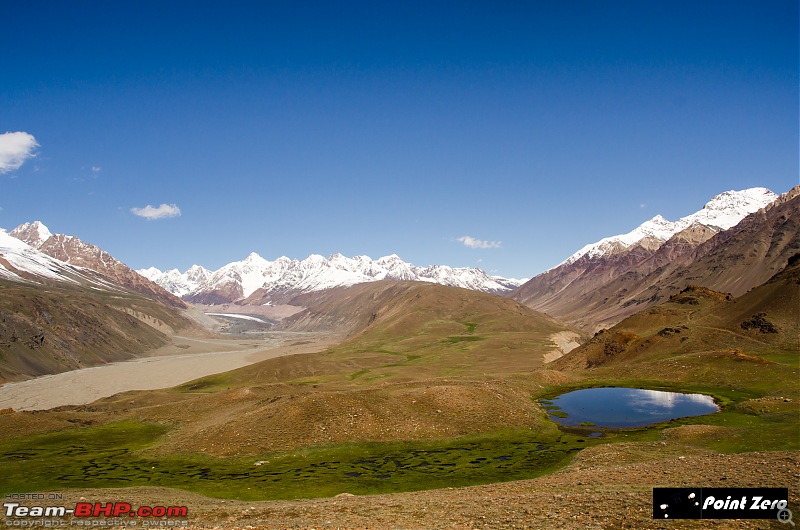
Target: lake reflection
{"x": 628, "y": 407}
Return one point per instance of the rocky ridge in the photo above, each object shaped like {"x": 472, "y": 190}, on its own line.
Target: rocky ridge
{"x": 604, "y": 282}
{"x": 257, "y": 281}
{"x": 73, "y": 251}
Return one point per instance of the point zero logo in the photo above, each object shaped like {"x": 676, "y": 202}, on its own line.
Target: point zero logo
{"x": 720, "y": 503}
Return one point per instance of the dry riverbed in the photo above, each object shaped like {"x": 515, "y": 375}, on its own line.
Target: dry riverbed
{"x": 184, "y": 359}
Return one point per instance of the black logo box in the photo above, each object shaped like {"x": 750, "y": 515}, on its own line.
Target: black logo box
{"x": 719, "y": 503}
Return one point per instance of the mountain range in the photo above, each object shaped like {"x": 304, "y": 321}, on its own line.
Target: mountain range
{"x": 257, "y": 281}
{"x": 19, "y": 262}
{"x": 597, "y": 286}
{"x": 70, "y": 250}
{"x": 720, "y": 213}
{"x": 737, "y": 241}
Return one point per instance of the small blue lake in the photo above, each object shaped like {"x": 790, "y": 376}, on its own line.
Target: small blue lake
{"x": 625, "y": 407}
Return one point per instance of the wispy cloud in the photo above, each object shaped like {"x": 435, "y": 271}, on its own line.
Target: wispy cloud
{"x": 471, "y": 242}
{"x": 152, "y": 213}
{"x": 15, "y": 149}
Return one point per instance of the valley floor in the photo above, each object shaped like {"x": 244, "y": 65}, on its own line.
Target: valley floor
{"x": 184, "y": 359}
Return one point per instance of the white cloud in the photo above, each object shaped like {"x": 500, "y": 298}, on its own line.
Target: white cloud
{"x": 161, "y": 212}
{"x": 96, "y": 169}
{"x": 471, "y": 242}
{"x": 15, "y": 149}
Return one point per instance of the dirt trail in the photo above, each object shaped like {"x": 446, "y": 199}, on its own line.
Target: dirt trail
{"x": 565, "y": 342}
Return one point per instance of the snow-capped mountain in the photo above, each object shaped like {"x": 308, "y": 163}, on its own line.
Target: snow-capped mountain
{"x": 34, "y": 234}
{"x": 605, "y": 281}
{"x": 20, "y": 262}
{"x": 73, "y": 251}
{"x": 256, "y": 280}
{"x": 720, "y": 213}
{"x": 176, "y": 282}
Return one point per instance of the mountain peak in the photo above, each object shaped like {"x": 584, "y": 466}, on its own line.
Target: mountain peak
{"x": 733, "y": 198}
{"x": 658, "y": 219}
{"x": 34, "y": 234}
{"x": 725, "y": 210}
{"x": 657, "y": 227}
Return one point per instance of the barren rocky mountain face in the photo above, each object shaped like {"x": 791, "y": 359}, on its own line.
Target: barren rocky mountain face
{"x": 65, "y": 327}
{"x": 70, "y": 249}
{"x": 401, "y": 306}
{"x": 598, "y": 289}
{"x": 699, "y": 319}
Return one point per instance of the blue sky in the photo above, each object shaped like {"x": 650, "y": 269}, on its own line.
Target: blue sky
{"x": 291, "y": 128}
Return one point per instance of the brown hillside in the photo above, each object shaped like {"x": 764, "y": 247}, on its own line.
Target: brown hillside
{"x": 45, "y": 330}
{"x": 72, "y": 250}
{"x": 423, "y": 361}
{"x": 398, "y": 308}
{"x": 698, "y": 319}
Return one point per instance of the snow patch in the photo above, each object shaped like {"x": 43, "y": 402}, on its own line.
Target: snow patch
{"x": 242, "y": 317}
